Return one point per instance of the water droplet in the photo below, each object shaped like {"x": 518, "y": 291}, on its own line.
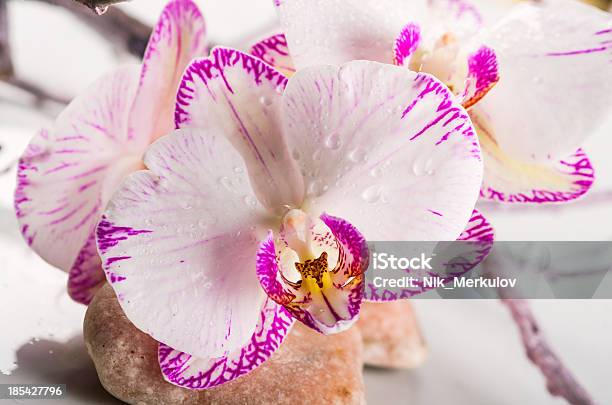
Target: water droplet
{"x": 376, "y": 171}
{"x": 418, "y": 168}
{"x": 186, "y": 205}
{"x": 238, "y": 169}
{"x": 250, "y": 201}
{"x": 358, "y": 155}
{"x": 50, "y": 351}
{"x": 317, "y": 188}
{"x": 265, "y": 101}
{"x": 226, "y": 183}
{"x": 333, "y": 141}
{"x": 100, "y": 9}
{"x": 372, "y": 194}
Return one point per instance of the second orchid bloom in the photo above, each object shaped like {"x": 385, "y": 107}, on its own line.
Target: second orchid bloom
{"x": 536, "y": 81}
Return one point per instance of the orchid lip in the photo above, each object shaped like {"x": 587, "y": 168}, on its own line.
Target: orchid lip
{"x": 315, "y": 270}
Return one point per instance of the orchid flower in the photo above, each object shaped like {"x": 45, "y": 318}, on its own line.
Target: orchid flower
{"x": 254, "y": 213}
{"x": 68, "y": 173}
{"x": 537, "y": 82}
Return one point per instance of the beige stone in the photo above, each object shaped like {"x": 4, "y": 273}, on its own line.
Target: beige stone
{"x": 391, "y": 335}
{"x": 309, "y": 368}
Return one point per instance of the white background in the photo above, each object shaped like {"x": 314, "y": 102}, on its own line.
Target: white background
{"x": 475, "y": 353}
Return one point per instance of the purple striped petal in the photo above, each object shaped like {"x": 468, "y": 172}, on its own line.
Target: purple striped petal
{"x": 274, "y": 51}
{"x": 555, "y": 60}
{"x": 86, "y": 276}
{"x": 406, "y": 44}
{"x": 478, "y": 229}
{"x": 483, "y": 75}
{"x": 67, "y": 173}
{"x": 238, "y": 95}
{"x": 178, "y": 37}
{"x": 511, "y": 180}
{"x": 440, "y": 49}
{"x": 195, "y": 373}
{"x": 476, "y": 242}
{"x": 384, "y": 148}
{"x": 179, "y": 242}
{"x": 327, "y": 296}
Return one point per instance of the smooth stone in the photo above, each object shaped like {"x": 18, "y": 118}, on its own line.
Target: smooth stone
{"x": 391, "y": 335}
{"x": 308, "y": 368}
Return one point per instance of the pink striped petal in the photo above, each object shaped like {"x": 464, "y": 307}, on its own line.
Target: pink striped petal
{"x": 511, "y": 180}
{"x": 66, "y": 174}
{"x": 555, "y": 60}
{"x": 483, "y": 74}
{"x": 406, "y": 44}
{"x": 274, "y": 51}
{"x": 386, "y": 147}
{"x": 178, "y": 37}
{"x": 196, "y": 373}
{"x": 474, "y": 245}
{"x": 327, "y": 295}
{"x": 86, "y": 276}
{"x": 478, "y": 229}
{"x": 179, "y": 242}
{"x": 335, "y": 32}
{"x": 238, "y": 95}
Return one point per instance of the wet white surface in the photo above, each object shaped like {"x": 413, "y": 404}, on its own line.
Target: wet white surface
{"x": 475, "y": 352}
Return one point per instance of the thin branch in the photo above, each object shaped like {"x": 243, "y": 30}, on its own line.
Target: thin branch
{"x": 115, "y": 25}
{"x": 6, "y": 63}
{"x": 99, "y": 6}
{"x": 559, "y": 380}
{"x": 7, "y": 71}
{"x": 39, "y": 94}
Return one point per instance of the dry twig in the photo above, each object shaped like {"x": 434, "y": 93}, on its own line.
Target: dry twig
{"x": 118, "y": 27}
{"x": 559, "y": 380}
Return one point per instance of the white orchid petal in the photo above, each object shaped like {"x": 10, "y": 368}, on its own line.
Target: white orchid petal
{"x": 238, "y": 95}
{"x": 334, "y": 32}
{"x": 64, "y": 171}
{"x": 555, "y": 59}
{"x": 514, "y": 181}
{"x": 195, "y": 373}
{"x": 179, "y": 243}
{"x": 389, "y": 150}
{"x": 178, "y": 37}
